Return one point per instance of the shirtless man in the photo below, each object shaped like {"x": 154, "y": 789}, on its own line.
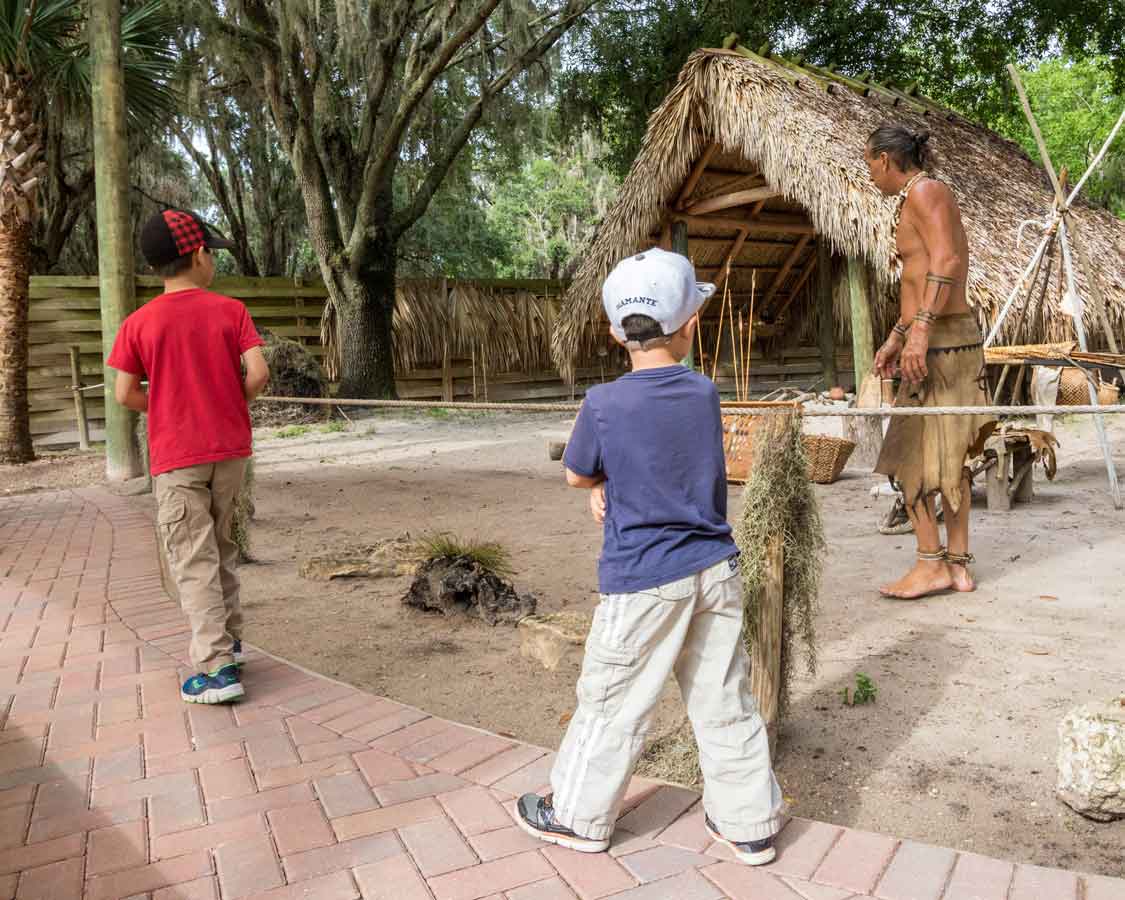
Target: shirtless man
{"x": 936, "y": 349}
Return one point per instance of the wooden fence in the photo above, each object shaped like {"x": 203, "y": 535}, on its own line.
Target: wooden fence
{"x": 65, "y": 313}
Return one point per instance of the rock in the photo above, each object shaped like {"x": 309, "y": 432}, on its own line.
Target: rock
{"x": 449, "y": 585}
{"x": 548, "y": 638}
{"x": 1092, "y": 760}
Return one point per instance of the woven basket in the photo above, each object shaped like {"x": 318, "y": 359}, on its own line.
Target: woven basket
{"x": 827, "y": 456}
{"x": 738, "y": 446}
{"x": 1074, "y": 392}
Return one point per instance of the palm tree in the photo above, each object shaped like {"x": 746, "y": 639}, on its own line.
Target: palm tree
{"x": 45, "y": 68}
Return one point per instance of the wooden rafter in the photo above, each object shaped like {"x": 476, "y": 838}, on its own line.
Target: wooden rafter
{"x": 725, "y": 242}
{"x": 756, "y": 210}
{"x": 732, "y": 255}
{"x": 780, "y": 223}
{"x": 738, "y": 183}
{"x": 786, "y": 266}
{"x": 696, "y": 173}
{"x": 737, "y": 198}
{"x": 793, "y": 294}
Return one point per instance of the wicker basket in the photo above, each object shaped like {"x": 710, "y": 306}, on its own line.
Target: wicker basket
{"x": 827, "y": 456}
{"x": 1074, "y": 392}
{"x": 738, "y": 446}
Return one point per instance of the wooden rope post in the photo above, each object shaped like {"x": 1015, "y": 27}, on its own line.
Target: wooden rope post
{"x": 765, "y": 658}
{"x": 826, "y": 334}
{"x": 79, "y": 398}
{"x": 446, "y": 360}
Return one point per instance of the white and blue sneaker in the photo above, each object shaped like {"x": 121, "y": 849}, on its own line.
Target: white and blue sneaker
{"x": 753, "y": 853}
{"x": 222, "y": 686}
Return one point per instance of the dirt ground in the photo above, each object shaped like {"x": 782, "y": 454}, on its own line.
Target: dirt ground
{"x": 959, "y": 747}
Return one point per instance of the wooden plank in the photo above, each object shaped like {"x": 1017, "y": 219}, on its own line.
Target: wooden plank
{"x": 736, "y": 198}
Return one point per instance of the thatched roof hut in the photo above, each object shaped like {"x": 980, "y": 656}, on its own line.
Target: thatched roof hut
{"x": 761, "y": 158}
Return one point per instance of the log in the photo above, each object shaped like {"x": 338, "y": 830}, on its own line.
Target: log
{"x": 737, "y": 198}
{"x": 696, "y": 173}
{"x": 765, "y": 658}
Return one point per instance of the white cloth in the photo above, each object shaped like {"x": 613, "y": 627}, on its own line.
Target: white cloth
{"x": 692, "y": 627}
{"x": 1045, "y": 392}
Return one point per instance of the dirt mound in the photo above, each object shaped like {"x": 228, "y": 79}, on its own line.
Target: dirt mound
{"x": 294, "y": 372}
{"x": 460, "y": 584}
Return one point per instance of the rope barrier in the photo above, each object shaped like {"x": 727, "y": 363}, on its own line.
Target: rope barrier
{"x": 812, "y": 412}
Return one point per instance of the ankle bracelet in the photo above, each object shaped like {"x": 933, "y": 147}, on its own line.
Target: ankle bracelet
{"x": 938, "y": 555}
{"x": 960, "y": 559}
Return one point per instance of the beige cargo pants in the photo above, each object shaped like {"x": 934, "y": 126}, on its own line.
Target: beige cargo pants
{"x": 692, "y": 627}
{"x": 194, "y": 511}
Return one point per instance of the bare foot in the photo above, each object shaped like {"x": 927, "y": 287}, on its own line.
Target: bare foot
{"x": 962, "y": 580}
{"x": 927, "y": 577}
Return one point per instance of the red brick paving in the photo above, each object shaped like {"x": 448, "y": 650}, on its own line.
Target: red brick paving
{"x": 112, "y": 788}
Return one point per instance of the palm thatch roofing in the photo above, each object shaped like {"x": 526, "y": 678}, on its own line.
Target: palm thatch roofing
{"x": 762, "y": 158}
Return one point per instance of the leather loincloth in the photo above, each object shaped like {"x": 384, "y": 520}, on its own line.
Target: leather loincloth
{"x": 925, "y": 455}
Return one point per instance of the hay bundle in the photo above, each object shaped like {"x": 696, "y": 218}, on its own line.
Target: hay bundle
{"x": 779, "y": 500}
{"x": 294, "y": 372}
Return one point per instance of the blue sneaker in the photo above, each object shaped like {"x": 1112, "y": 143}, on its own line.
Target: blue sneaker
{"x": 753, "y": 853}
{"x": 219, "y": 687}
{"x": 239, "y": 659}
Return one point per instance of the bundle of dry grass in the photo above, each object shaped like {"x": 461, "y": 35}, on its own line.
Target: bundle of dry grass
{"x": 779, "y": 500}
{"x": 294, "y": 372}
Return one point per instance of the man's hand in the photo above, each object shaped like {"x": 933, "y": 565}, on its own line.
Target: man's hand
{"x": 597, "y": 502}
{"x": 913, "y": 359}
{"x": 888, "y": 355}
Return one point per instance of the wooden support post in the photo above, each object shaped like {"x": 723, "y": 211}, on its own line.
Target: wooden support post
{"x": 446, "y": 351}
{"x": 680, "y": 245}
{"x": 1022, "y": 488}
{"x": 826, "y": 334}
{"x": 79, "y": 398}
{"x": 728, "y": 263}
{"x": 765, "y": 658}
{"x": 115, "y": 228}
{"x": 866, "y": 433}
{"x": 996, "y": 480}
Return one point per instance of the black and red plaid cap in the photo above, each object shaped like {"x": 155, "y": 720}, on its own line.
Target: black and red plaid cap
{"x": 173, "y": 233}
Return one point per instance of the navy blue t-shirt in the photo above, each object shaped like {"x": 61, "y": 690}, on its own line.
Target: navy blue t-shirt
{"x": 657, "y": 435}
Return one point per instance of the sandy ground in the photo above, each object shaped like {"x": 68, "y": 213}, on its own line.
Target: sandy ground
{"x": 959, "y": 748}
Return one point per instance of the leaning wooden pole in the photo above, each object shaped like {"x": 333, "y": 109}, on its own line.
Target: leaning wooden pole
{"x": 680, "y": 246}
{"x": 826, "y": 334}
{"x": 115, "y": 244}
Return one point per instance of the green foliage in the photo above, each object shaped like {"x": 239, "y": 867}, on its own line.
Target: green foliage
{"x": 778, "y": 500}
{"x": 1076, "y": 105}
{"x": 545, "y": 212}
{"x": 334, "y": 427}
{"x": 489, "y": 555}
{"x": 865, "y": 691}
{"x": 292, "y": 431}
{"x": 626, "y": 56}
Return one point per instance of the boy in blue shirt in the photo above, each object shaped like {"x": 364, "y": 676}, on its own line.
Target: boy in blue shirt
{"x": 650, "y": 448}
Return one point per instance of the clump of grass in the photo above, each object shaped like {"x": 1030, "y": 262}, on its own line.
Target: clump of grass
{"x": 334, "y": 427}
{"x": 489, "y": 555}
{"x": 292, "y": 431}
{"x": 865, "y": 691}
{"x": 438, "y": 412}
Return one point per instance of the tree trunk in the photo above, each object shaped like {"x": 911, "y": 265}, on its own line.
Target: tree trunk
{"x": 15, "y": 260}
{"x": 364, "y": 328}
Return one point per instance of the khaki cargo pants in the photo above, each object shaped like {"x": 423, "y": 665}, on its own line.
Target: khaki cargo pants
{"x": 693, "y": 628}
{"x": 194, "y": 512}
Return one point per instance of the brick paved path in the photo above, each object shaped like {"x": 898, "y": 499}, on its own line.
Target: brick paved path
{"x": 111, "y": 787}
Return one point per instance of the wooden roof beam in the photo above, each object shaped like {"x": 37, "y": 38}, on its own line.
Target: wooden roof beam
{"x": 793, "y": 294}
{"x": 696, "y": 173}
{"x": 732, "y": 254}
{"x": 725, "y": 242}
{"x": 786, "y": 266}
{"x": 735, "y": 198}
{"x": 783, "y": 224}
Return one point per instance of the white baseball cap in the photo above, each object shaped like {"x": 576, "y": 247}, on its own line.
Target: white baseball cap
{"x": 657, "y": 284}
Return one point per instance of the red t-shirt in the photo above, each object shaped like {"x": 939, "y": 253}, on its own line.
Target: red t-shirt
{"x": 190, "y": 344}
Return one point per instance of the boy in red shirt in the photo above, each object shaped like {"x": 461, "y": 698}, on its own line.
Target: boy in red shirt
{"x": 191, "y": 345}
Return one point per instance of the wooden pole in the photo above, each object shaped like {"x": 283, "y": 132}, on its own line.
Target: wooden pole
{"x": 790, "y": 261}
{"x": 826, "y": 334}
{"x": 79, "y": 398}
{"x": 719, "y": 333}
{"x": 446, "y": 352}
{"x": 680, "y": 246}
{"x": 696, "y": 173}
{"x": 863, "y": 342}
{"x": 115, "y": 234}
{"x": 765, "y": 658}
